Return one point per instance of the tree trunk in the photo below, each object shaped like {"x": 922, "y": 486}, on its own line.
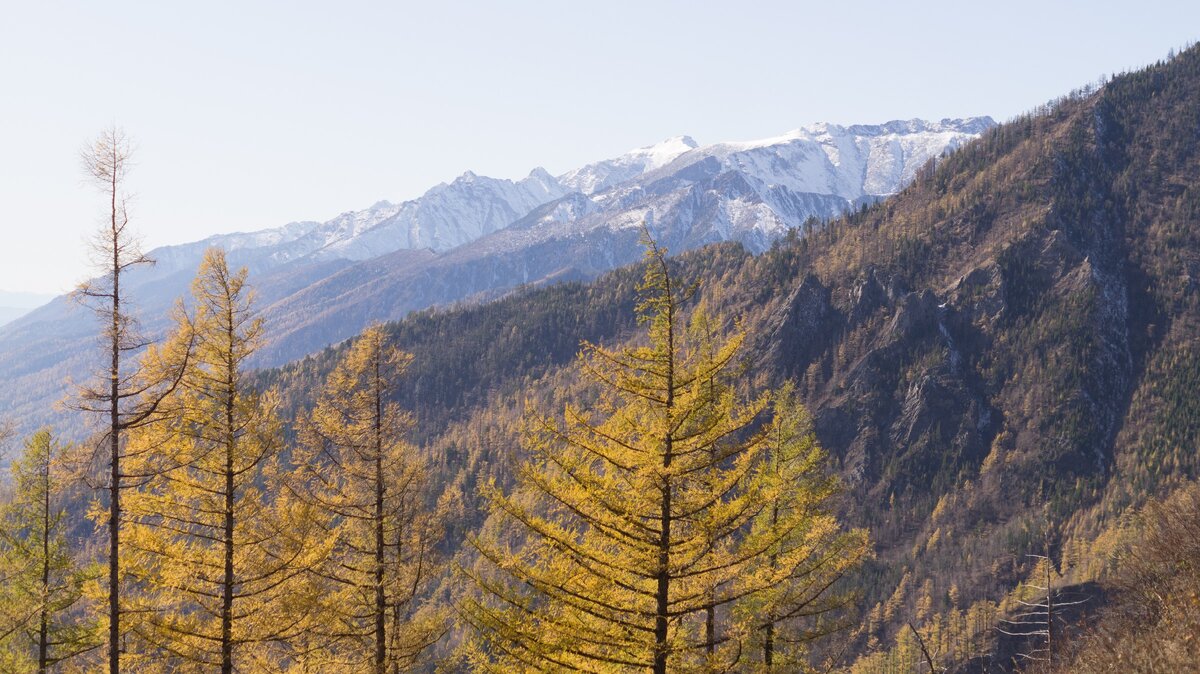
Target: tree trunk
{"x": 769, "y": 631}
{"x": 769, "y": 645}
{"x": 380, "y": 598}
{"x": 662, "y": 593}
{"x": 663, "y": 590}
{"x": 710, "y": 630}
{"x": 227, "y": 594}
{"x": 114, "y": 439}
{"x": 44, "y": 627}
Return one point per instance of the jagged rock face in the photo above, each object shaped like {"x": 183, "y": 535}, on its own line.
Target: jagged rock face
{"x": 917, "y": 384}
{"x": 978, "y": 295}
{"x": 868, "y": 296}
{"x": 882, "y": 423}
{"x": 915, "y": 316}
{"x": 806, "y": 326}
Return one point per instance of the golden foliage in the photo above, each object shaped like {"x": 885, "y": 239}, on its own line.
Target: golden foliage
{"x": 367, "y": 488}
{"x": 212, "y": 545}
{"x": 668, "y": 524}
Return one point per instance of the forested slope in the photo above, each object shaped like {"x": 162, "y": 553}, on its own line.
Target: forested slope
{"x": 1000, "y": 359}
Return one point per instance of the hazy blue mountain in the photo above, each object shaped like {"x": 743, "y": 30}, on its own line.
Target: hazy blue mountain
{"x": 14, "y": 305}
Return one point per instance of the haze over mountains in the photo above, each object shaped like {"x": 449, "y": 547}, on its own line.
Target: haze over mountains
{"x": 476, "y": 237}
{"x": 13, "y": 305}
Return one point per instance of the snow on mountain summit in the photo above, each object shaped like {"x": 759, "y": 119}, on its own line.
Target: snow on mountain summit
{"x": 751, "y": 191}
{"x": 448, "y": 215}
{"x": 604, "y": 174}
{"x": 852, "y": 162}
{"x": 662, "y": 153}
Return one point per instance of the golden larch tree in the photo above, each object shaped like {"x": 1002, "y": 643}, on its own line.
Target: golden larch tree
{"x": 44, "y": 620}
{"x": 215, "y": 547}
{"x": 641, "y": 523}
{"x": 807, "y": 551}
{"x": 368, "y": 486}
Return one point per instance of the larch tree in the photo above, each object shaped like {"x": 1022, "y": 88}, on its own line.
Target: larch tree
{"x": 367, "y": 484}
{"x": 43, "y": 618}
{"x": 213, "y": 553}
{"x": 641, "y": 523}
{"x": 808, "y": 551}
{"x": 120, "y": 394}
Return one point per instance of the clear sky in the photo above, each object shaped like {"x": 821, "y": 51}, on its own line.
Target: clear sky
{"x": 251, "y": 114}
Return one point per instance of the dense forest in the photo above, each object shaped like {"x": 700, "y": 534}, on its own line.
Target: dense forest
{"x": 951, "y": 431}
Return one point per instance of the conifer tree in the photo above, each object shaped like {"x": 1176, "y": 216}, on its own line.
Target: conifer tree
{"x": 369, "y": 486}
{"x": 802, "y": 605}
{"x": 43, "y": 621}
{"x": 639, "y": 527}
{"x": 121, "y": 395}
{"x": 212, "y": 553}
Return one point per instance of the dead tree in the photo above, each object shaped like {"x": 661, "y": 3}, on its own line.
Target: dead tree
{"x": 933, "y": 669}
{"x": 1035, "y": 622}
{"x": 120, "y": 394}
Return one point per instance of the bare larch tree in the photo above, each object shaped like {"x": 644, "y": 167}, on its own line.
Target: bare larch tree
{"x": 1035, "y": 620}
{"x": 119, "y": 393}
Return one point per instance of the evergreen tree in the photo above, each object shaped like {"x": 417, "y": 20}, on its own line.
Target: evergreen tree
{"x": 638, "y": 528}
{"x": 369, "y": 488}
{"x": 43, "y": 621}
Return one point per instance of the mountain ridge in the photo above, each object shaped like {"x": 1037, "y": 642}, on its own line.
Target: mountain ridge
{"x": 477, "y": 237}
{"x": 629, "y": 166}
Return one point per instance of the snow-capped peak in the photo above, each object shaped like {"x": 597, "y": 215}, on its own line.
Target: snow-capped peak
{"x": 604, "y": 174}
{"x": 660, "y": 154}
{"x": 852, "y": 162}
{"x": 540, "y": 176}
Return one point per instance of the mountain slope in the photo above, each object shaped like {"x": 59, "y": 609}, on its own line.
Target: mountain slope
{"x": 1001, "y": 359}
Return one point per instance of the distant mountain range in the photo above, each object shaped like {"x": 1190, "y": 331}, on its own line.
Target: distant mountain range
{"x": 14, "y": 305}
{"x": 813, "y": 171}
{"x": 477, "y": 237}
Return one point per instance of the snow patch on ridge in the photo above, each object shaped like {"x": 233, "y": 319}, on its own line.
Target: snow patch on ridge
{"x": 604, "y": 174}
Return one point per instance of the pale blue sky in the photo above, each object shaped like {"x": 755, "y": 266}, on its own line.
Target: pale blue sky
{"x": 252, "y": 114}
